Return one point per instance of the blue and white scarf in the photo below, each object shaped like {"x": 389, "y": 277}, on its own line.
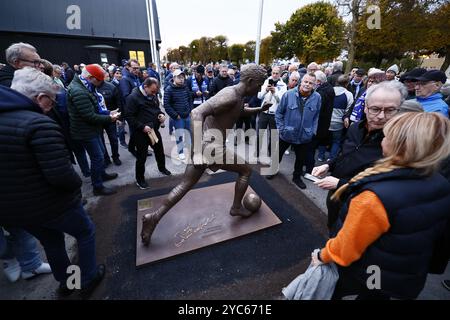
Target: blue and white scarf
{"x": 101, "y": 105}
{"x": 195, "y": 88}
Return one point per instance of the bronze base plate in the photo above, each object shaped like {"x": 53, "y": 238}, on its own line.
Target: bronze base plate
{"x": 200, "y": 219}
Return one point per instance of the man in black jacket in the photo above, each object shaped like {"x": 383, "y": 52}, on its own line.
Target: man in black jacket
{"x": 18, "y": 56}
{"x": 362, "y": 144}
{"x": 39, "y": 189}
{"x": 223, "y": 80}
{"x": 144, "y": 114}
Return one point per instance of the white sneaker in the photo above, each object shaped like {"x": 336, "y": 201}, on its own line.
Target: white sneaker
{"x": 286, "y": 152}
{"x": 43, "y": 268}
{"x": 12, "y": 270}
{"x": 182, "y": 157}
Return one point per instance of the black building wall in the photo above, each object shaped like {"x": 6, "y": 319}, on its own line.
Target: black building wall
{"x": 73, "y": 49}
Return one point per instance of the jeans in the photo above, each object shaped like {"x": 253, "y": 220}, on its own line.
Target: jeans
{"x": 22, "y": 246}
{"x": 121, "y": 133}
{"x": 336, "y": 143}
{"x": 80, "y": 154}
{"x": 94, "y": 148}
{"x": 181, "y": 134}
{"x": 266, "y": 121}
{"x": 76, "y": 223}
{"x": 111, "y": 132}
{"x": 171, "y": 125}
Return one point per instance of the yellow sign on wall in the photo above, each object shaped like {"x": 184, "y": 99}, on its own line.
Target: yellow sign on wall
{"x": 139, "y": 56}
{"x": 133, "y": 55}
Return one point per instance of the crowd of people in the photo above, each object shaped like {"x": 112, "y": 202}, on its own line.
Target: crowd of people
{"x": 366, "y": 135}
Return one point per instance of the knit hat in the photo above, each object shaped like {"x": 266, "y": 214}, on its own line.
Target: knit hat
{"x": 393, "y": 68}
{"x": 200, "y": 69}
{"x": 96, "y": 71}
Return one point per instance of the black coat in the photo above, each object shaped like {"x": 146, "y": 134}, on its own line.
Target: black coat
{"x": 219, "y": 83}
{"x": 360, "y": 151}
{"x": 6, "y": 75}
{"x": 37, "y": 180}
{"x": 142, "y": 111}
{"x": 326, "y": 91}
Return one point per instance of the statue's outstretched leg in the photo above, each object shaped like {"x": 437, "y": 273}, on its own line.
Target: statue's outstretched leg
{"x": 150, "y": 220}
{"x": 240, "y": 188}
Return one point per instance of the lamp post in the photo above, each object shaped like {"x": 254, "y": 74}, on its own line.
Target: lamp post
{"x": 258, "y": 35}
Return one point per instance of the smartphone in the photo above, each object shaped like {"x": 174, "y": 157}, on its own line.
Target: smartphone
{"x": 311, "y": 177}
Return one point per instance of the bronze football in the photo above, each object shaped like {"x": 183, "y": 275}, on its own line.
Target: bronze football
{"x": 252, "y": 202}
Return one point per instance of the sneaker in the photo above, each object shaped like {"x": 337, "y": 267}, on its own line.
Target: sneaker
{"x": 142, "y": 184}
{"x": 299, "y": 182}
{"x": 42, "y": 269}
{"x": 446, "y": 284}
{"x": 104, "y": 191}
{"x": 320, "y": 159}
{"x": 109, "y": 176}
{"x": 149, "y": 154}
{"x": 286, "y": 152}
{"x": 124, "y": 145}
{"x": 87, "y": 290}
{"x": 12, "y": 270}
{"x": 117, "y": 161}
{"x": 182, "y": 157}
{"x": 165, "y": 172}
{"x": 270, "y": 177}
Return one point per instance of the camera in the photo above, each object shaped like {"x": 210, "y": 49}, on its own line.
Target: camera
{"x": 273, "y": 82}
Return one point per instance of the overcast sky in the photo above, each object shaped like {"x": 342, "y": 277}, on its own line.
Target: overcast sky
{"x": 182, "y": 21}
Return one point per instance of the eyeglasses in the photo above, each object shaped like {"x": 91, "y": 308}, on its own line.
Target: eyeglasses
{"x": 387, "y": 111}
{"x": 36, "y": 63}
{"x": 136, "y": 68}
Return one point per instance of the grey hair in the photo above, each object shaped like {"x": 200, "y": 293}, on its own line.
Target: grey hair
{"x": 14, "y": 51}
{"x": 57, "y": 68}
{"x": 295, "y": 74}
{"x": 388, "y": 86}
{"x": 411, "y": 106}
{"x": 321, "y": 76}
{"x": 31, "y": 82}
{"x": 338, "y": 66}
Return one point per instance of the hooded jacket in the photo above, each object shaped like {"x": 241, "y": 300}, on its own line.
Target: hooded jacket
{"x": 37, "y": 180}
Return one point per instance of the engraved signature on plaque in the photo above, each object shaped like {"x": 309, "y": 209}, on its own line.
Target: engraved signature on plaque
{"x": 183, "y": 235}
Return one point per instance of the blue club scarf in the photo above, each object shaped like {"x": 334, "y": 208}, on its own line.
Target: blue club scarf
{"x": 101, "y": 106}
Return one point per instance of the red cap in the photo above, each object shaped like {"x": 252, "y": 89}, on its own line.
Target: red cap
{"x": 96, "y": 71}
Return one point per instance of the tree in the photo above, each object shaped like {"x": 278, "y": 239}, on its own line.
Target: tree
{"x": 265, "y": 51}
{"x": 318, "y": 21}
{"x": 406, "y": 27}
{"x": 355, "y": 9}
{"x": 236, "y": 53}
{"x": 249, "y": 51}
{"x": 438, "y": 35}
{"x": 221, "y": 48}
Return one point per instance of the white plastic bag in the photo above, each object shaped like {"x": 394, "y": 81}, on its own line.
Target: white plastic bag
{"x": 317, "y": 283}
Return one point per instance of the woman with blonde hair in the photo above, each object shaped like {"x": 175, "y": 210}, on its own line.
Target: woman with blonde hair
{"x": 394, "y": 214}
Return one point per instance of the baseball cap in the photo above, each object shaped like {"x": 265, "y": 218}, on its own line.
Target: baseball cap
{"x": 209, "y": 69}
{"x": 178, "y": 72}
{"x": 433, "y": 75}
